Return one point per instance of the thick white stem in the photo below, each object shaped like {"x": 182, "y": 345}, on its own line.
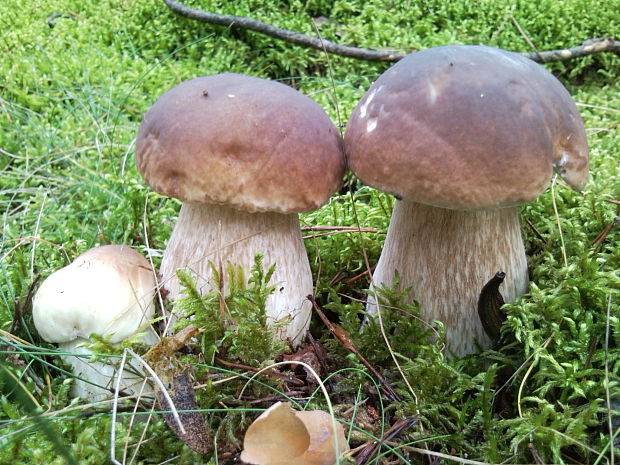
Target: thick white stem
{"x": 446, "y": 257}
{"x": 212, "y": 233}
{"x": 96, "y": 380}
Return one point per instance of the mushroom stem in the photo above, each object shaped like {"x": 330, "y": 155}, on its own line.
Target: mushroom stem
{"x": 95, "y": 380}
{"x": 207, "y": 233}
{"x": 447, "y": 256}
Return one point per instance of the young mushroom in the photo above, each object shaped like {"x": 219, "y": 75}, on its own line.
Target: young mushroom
{"x": 245, "y": 155}
{"x": 462, "y": 135}
{"x": 109, "y": 291}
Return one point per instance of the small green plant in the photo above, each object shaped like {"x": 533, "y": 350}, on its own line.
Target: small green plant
{"x": 234, "y": 325}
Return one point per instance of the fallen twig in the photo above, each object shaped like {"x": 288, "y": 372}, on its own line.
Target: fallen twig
{"x": 535, "y": 455}
{"x": 279, "y": 33}
{"x": 370, "y": 450}
{"x": 331, "y": 230}
{"x": 286, "y": 378}
{"x": 338, "y": 228}
{"x": 589, "y": 47}
{"x": 598, "y": 240}
{"x": 534, "y": 230}
{"x": 356, "y": 277}
{"x": 344, "y": 339}
{"x": 340, "y": 231}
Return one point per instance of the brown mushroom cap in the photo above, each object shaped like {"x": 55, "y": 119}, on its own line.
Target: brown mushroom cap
{"x": 466, "y": 127}
{"x": 250, "y": 143}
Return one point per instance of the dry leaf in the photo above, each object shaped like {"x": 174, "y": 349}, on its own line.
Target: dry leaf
{"x": 308, "y": 356}
{"x": 275, "y": 436}
{"x": 282, "y": 436}
{"x": 162, "y": 357}
{"x": 322, "y": 449}
{"x": 196, "y": 436}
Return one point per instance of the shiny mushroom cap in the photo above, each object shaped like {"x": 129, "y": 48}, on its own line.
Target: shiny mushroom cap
{"x": 236, "y": 140}
{"x": 107, "y": 290}
{"x": 466, "y": 127}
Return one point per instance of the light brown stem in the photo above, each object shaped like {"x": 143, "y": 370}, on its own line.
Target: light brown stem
{"x": 212, "y": 233}
{"x": 446, "y": 257}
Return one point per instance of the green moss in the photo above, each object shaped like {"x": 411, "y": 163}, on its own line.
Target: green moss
{"x": 234, "y": 325}
{"x": 71, "y": 98}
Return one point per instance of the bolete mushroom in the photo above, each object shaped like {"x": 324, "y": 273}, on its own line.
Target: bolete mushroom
{"x": 245, "y": 155}
{"x": 109, "y": 291}
{"x": 462, "y": 135}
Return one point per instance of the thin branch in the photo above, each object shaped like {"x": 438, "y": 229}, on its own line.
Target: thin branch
{"x": 275, "y": 374}
{"x": 282, "y": 34}
{"x": 596, "y": 243}
{"x": 344, "y": 339}
{"x": 589, "y": 47}
{"x": 373, "y": 447}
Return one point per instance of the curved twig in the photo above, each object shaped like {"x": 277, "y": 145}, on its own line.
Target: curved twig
{"x": 282, "y": 34}
{"x": 589, "y": 47}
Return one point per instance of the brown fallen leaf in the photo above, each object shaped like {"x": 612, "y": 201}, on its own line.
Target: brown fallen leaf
{"x": 282, "y": 436}
{"x": 308, "y": 356}
{"x": 178, "y": 381}
{"x": 196, "y": 436}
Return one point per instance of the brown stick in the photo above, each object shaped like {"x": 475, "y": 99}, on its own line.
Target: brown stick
{"x": 596, "y": 243}
{"x": 340, "y": 231}
{"x": 373, "y": 447}
{"x": 589, "y": 47}
{"x": 344, "y": 339}
{"x": 330, "y": 230}
{"x": 338, "y": 228}
{"x": 279, "y": 33}
{"x": 534, "y": 230}
{"x": 356, "y": 277}
{"x": 286, "y": 378}
{"x": 535, "y": 454}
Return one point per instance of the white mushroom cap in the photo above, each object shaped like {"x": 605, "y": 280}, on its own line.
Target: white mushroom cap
{"x": 107, "y": 290}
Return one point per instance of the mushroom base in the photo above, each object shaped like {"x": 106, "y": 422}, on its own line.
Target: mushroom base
{"x": 217, "y": 234}
{"x": 96, "y": 381}
{"x": 447, "y": 256}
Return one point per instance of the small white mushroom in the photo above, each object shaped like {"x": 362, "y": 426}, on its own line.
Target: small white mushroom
{"x": 109, "y": 291}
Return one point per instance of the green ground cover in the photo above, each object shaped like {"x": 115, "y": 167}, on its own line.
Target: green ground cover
{"x": 75, "y": 79}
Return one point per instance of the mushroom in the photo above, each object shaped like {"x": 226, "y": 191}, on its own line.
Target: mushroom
{"x": 245, "y": 155}
{"x": 109, "y": 291}
{"x": 281, "y": 435}
{"x": 462, "y": 135}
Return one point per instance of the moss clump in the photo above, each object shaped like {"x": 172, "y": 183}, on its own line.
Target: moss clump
{"x": 73, "y": 91}
{"x": 233, "y": 326}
